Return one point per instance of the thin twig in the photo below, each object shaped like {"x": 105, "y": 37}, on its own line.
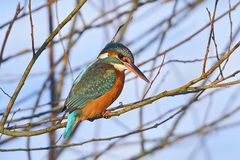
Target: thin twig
{"x": 18, "y": 10}
{"x": 212, "y": 20}
{"x": 119, "y": 28}
{"x": 5, "y": 92}
{"x": 31, "y": 25}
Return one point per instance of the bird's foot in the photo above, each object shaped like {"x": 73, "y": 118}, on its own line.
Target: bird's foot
{"x": 106, "y": 114}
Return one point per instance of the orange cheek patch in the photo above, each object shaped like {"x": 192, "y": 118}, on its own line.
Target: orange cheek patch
{"x": 112, "y": 54}
{"x": 126, "y": 59}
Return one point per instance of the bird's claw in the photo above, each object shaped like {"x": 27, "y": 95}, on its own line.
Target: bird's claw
{"x": 106, "y": 114}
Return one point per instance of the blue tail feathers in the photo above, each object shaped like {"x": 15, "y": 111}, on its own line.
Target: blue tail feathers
{"x": 72, "y": 116}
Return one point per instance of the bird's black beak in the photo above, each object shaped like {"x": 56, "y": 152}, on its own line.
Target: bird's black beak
{"x": 136, "y": 71}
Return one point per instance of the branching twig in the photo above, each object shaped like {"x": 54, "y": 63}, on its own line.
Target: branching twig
{"x": 212, "y": 19}
{"x": 33, "y": 60}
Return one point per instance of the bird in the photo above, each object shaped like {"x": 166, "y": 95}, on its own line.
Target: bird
{"x": 99, "y": 85}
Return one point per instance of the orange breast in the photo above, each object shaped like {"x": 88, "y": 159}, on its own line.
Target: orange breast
{"x": 99, "y": 105}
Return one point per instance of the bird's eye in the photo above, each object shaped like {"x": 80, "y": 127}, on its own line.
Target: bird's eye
{"x": 120, "y": 56}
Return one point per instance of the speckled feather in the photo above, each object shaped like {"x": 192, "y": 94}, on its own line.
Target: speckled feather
{"x": 94, "y": 81}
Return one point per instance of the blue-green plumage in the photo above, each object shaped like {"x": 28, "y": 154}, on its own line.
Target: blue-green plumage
{"x": 98, "y": 85}
{"x": 91, "y": 83}
{"x": 96, "y": 80}
{"x": 72, "y": 116}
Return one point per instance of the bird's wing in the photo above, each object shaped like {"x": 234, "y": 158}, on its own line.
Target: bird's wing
{"x": 91, "y": 83}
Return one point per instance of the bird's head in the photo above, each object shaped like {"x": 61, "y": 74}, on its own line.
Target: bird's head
{"x": 121, "y": 58}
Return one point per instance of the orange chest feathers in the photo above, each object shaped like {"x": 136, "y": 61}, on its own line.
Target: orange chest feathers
{"x": 99, "y": 105}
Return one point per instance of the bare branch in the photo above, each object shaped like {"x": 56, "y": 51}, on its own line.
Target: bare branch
{"x": 18, "y": 10}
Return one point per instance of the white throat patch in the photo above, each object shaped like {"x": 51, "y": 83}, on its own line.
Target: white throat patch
{"x": 102, "y": 56}
{"x": 119, "y": 67}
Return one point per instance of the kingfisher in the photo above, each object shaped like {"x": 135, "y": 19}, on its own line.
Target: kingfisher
{"x": 99, "y": 85}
